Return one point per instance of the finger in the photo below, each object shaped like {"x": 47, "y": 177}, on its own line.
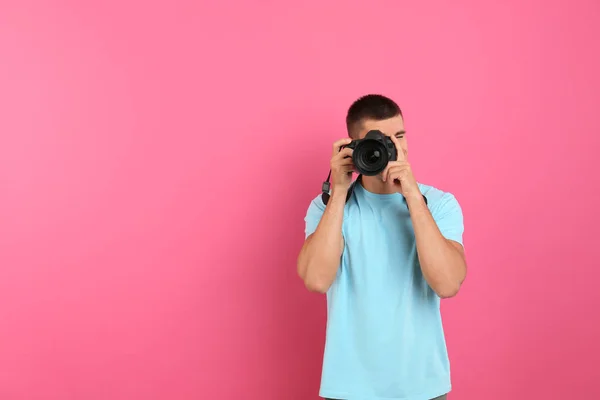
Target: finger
{"x": 344, "y": 153}
{"x": 386, "y": 173}
{"x": 340, "y": 143}
{"x": 391, "y": 181}
{"x": 401, "y": 156}
{"x": 394, "y": 176}
{"x": 397, "y": 172}
{"x": 393, "y": 164}
{"x": 342, "y": 161}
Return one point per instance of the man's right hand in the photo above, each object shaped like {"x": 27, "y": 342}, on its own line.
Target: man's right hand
{"x": 319, "y": 259}
{"x": 342, "y": 166}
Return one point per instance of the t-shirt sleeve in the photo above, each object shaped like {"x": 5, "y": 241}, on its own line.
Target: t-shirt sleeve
{"x": 449, "y": 218}
{"x": 313, "y": 216}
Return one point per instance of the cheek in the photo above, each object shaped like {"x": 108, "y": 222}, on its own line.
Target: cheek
{"x": 404, "y": 146}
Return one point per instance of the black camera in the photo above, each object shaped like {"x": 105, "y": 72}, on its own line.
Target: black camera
{"x": 372, "y": 153}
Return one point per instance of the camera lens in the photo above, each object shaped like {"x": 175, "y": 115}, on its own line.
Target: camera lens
{"x": 370, "y": 157}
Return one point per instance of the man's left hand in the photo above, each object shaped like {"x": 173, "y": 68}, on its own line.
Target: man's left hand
{"x": 399, "y": 174}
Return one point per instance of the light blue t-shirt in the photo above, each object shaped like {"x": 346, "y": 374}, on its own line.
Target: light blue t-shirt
{"x": 385, "y": 339}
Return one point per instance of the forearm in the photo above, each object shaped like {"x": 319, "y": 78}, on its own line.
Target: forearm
{"x": 319, "y": 258}
{"x": 442, "y": 263}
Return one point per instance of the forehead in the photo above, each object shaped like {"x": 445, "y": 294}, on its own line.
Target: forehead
{"x": 388, "y": 127}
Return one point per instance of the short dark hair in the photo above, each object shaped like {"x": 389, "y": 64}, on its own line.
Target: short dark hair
{"x": 371, "y": 106}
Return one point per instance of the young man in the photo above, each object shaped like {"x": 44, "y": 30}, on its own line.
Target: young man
{"x": 384, "y": 257}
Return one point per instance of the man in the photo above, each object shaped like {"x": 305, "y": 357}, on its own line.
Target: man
{"x": 384, "y": 257}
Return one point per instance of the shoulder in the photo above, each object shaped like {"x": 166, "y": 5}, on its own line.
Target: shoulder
{"x": 316, "y": 204}
{"x": 446, "y": 212}
{"x": 315, "y": 211}
{"x": 316, "y": 208}
{"x": 439, "y": 201}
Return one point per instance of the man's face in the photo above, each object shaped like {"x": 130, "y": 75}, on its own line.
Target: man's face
{"x": 389, "y": 127}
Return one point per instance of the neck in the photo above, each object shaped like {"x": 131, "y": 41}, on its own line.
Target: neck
{"x": 374, "y": 184}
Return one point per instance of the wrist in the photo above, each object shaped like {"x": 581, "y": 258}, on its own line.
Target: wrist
{"x": 339, "y": 191}
{"x": 415, "y": 199}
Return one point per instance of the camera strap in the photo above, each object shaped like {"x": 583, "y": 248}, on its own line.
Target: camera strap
{"x": 326, "y": 187}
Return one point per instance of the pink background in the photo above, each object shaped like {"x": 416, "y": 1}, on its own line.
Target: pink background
{"x": 155, "y": 169}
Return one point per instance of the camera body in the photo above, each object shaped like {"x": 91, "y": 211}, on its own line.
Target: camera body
{"x": 372, "y": 153}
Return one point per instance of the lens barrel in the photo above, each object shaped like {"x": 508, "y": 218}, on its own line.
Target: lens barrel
{"x": 370, "y": 157}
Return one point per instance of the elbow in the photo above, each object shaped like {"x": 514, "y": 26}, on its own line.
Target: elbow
{"x": 449, "y": 286}
{"x": 315, "y": 277}
{"x": 317, "y": 285}
{"x": 313, "y": 282}
{"x": 447, "y": 291}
